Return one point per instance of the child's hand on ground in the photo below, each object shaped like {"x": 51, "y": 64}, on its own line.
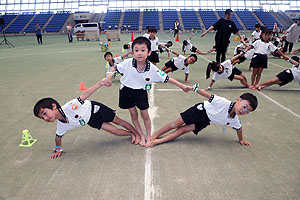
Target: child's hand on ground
{"x": 55, "y": 155}
{"x": 245, "y": 143}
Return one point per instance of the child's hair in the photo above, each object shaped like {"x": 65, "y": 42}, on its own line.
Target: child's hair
{"x": 245, "y": 39}
{"x": 142, "y": 40}
{"x": 267, "y": 31}
{"x": 126, "y": 46}
{"x": 152, "y": 29}
{"x": 169, "y": 44}
{"x": 212, "y": 66}
{"x": 295, "y": 58}
{"x": 108, "y": 53}
{"x": 257, "y": 25}
{"x": 44, "y": 103}
{"x": 184, "y": 42}
{"x": 252, "y": 100}
{"x": 195, "y": 56}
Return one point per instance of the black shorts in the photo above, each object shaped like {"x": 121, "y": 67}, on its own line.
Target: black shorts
{"x": 153, "y": 57}
{"x": 170, "y": 64}
{"x": 259, "y": 61}
{"x": 100, "y": 113}
{"x": 285, "y": 77}
{"x": 235, "y": 71}
{"x": 241, "y": 59}
{"x": 193, "y": 49}
{"x": 129, "y": 98}
{"x": 196, "y": 115}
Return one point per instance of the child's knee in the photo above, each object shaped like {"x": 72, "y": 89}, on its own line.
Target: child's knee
{"x": 173, "y": 125}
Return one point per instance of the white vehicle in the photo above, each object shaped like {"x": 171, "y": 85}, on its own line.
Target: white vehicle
{"x": 83, "y": 27}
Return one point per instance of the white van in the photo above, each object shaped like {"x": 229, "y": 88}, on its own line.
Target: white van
{"x": 83, "y": 27}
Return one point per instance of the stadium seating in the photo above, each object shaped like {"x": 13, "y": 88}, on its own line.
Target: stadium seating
{"x": 41, "y": 19}
{"x": 111, "y": 19}
{"x": 151, "y": 18}
{"x": 132, "y": 18}
{"x": 248, "y": 19}
{"x": 234, "y": 19}
{"x": 208, "y": 18}
{"x": 190, "y": 19}
{"x": 19, "y": 23}
{"x": 57, "y": 22}
{"x": 169, "y": 16}
{"x": 7, "y": 19}
{"x": 267, "y": 19}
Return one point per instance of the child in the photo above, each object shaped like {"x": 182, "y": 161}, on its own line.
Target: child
{"x": 139, "y": 74}
{"x": 127, "y": 47}
{"x": 179, "y": 62}
{"x": 79, "y": 112}
{"x": 238, "y": 49}
{"x": 217, "y": 110}
{"x": 285, "y": 76}
{"x": 112, "y": 62}
{"x": 155, "y": 44}
{"x": 260, "y": 58}
{"x": 226, "y": 70}
{"x": 256, "y": 34}
{"x": 168, "y": 45}
{"x": 187, "y": 45}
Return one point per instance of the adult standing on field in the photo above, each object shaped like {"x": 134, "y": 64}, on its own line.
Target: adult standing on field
{"x": 69, "y": 31}
{"x": 292, "y": 35}
{"x": 224, "y": 27}
{"x": 38, "y": 33}
{"x": 176, "y": 28}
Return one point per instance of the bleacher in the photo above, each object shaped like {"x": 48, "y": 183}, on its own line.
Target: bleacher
{"x": 111, "y": 19}
{"x": 234, "y": 19}
{"x": 57, "y": 22}
{"x": 169, "y": 16}
{"x": 132, "y": 18}
{"x": 7, "y": 19}
{"x": 19, "y": 23}
{"x": 150, "y": 18}
{"x": 208, "y": 17}
{"x": 41, "y": 19}
{"x": 248, "y": 19}
{"x": 267, "y": 19}
{"x": 190, "y": 19}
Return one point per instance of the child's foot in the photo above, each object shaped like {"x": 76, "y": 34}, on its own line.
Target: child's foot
{"x": 153, "y": 143}
{"x": 143, "y": 141}
{"x": 258, "y": 87}
{"x": 132, "y": 138}
{"x": 137, "y": 139}
{"x": 148, "y": 144}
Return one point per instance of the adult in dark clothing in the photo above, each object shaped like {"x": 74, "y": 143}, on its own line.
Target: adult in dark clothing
{"x": 224, "y": 27}
{"x": 38, "y": 33}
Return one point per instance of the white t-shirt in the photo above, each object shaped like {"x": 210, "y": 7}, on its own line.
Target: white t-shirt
{"x": 241, "y": 46}
{"x": 188, "y": 46}
{"x": 135, "y": 79}
{"x": 226, "y": 72}
{"x": 179, "y": 63}
{"x": 296, "y": 73}
{"x": 218, "y": 109}
{"x": 116, "y": 61}
{"x": 256, "y": 35}
{"x": 154, "y": 43}
{"x": 77, "y": 113}
{"x": 261, "y": 47}
{"x": 293, "y": 33}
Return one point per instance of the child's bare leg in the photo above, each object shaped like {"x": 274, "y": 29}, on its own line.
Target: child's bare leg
{"x": 258, "y": 75}
{"x": 173, "y": 135}
{"x": 134, "y": 117}
{"x": 166, "y": 69}
{"x": 172, "y": 125}
{"x": 129, "y": 127}
{"x": 253, "y": 76}
{"x": 268, "y": 83}
{"x": 147, "y": 122}
{"x": 116, "y": 131}
{"x": 242, "y": 79}
{"x": 200, "y": 52}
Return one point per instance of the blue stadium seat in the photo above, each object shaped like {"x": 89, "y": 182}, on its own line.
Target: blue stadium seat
{"x": 112, "y": 19}
{"x": 169, "y": 16}
{"x": 234, "y": 19}
{"x": 7, "y": 19}
{"x": 248, "y": 19}
{"x": 132, "y": 18}
{"x": 208, "y": 18}
{"x": 267, "y": 19}
{"x": 41, "y": 19}
{"x": 19, "y": 23}
{"x": 150, "y": 18}
{"x": 190, "y": 19}
{"x": 57, "y": 22}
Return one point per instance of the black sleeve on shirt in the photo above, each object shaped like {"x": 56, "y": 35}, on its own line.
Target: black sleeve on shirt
{"x": 80, "y": 100}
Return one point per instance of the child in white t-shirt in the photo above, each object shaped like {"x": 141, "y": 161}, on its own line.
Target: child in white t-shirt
{"x": 217, "y": 110}
{"x": 138, "y": 76}
{"x": 188, "y": 46}
{"x": 112, "y": 62}
{"x": 226, "y": 70}
{"x": 180, "y": 62}
{"x": 80, "y": 112}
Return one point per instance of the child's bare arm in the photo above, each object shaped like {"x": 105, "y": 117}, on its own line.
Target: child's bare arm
{"x": 191, "y": 36}
{"x": 178, "y": 84}
{"x": 126, "y": 54}
{"x": 236, "y": 57}
{"x": 210, "y": 85}
{"x": 240, "y": 136}
{"x": 196, "y": 89}
{"x": 58, "y": 150}
{"x": 171, "y": 51}
{"x": 293, "y": 62}
{"x": 86, "y": 94}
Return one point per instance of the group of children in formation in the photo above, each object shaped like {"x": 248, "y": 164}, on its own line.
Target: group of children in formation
{"x": 140, "y": 72}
